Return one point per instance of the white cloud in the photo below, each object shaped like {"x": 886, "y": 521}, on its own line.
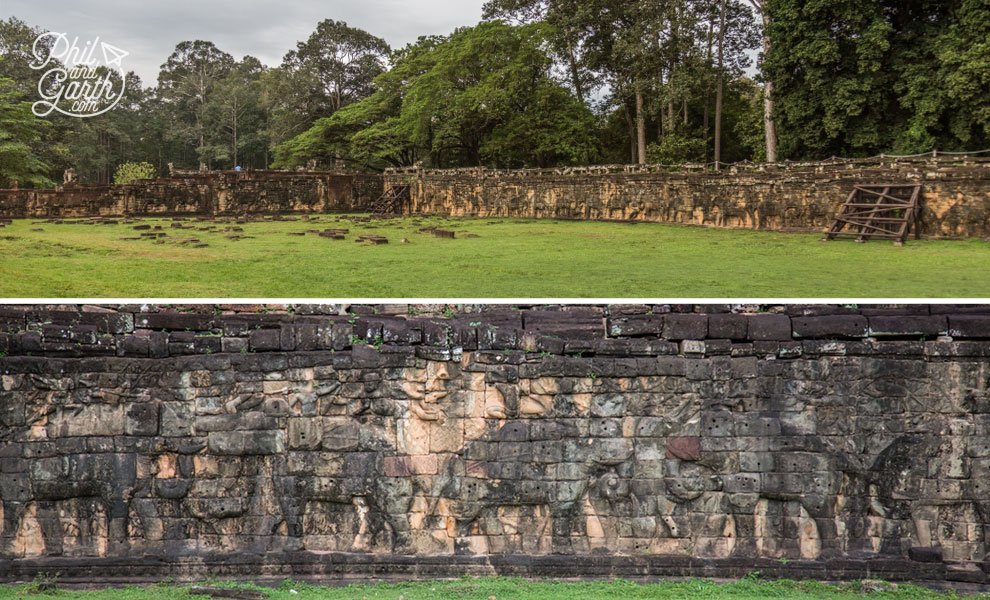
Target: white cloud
{"x": 264, "y": 29}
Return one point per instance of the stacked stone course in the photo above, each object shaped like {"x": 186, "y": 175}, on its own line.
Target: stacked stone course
{"x": 138, "y": 443}
{"x": 793, "y": 197}
{"x": 211, "y": 193}
{"x": 797, "y": 197}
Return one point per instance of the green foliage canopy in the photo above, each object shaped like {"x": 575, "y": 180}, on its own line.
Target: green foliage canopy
{"x": 483, "y": 95}
{"x": 18, "y": 129}
{"x": 129, "y": 171}
{"x": 859, "y": 78}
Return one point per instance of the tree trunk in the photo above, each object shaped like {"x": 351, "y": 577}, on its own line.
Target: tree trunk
{"x": 769, "y": 127}
{"x": 235, "y": 139}
{"x": 632, "y": 132}
{"x": 199, "y": 124}
{"x": 640, "y": 124}
{"x": 706, "y": 115}
{"x": 768, "y": 123}
{"x": 575, "y": 76}
{"x": 719, "y": 87}
{"x": 705, "y": 125}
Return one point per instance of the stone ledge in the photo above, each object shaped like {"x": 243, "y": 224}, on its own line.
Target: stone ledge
{"x": 336, "y": 567}
{"x": 917, "y": 330}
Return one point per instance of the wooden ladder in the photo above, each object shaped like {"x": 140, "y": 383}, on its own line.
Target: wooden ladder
{"x": 391, "y": 201}
{"x": 882, "y": 211}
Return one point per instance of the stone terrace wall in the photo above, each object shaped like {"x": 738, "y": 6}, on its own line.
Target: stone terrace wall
{"x": 787, "y": 197}
{"x": 580, "y": 441}
{"x": 213, "y": 193}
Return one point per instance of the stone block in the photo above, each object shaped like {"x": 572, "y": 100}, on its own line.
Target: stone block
{"x": 502, "y": 374}
{"x": 423, "y": 464}
{"x": 549, "y": 452}
{"x": 696, "y": 347}
{"x": 361, "y": 465}
{"x": 246, "y": 442}
{"x": 741, "y": 483}
{"x": 16, "y": 487}
{"x": 685, "y": 327}
{"x": 514, "y": 431}
{"x": 969, "y": 326}
{"x": 157, "y": 344}
{"x": 612, "y": 451}
{"x": 265, "y": 340}
{"x": 908, "y": 326}
{"x": 448, "y": 437}
{"x": 605, "y": 428}
{"x": 340, "y": 433}
{"x": 684, "y": 448}
{"x": 514, "y": 451}
{"x": 769, "y": 327}
{"x": 399, "y": 331}
{"x": 608, "y": 405}
{"x": 287, "y": 337}
{"x": 134, "y": 345}
{"x": 87, "y": 420}
{"x": 304, "y": 433}
{"x": 831, "y": 326}
{"x": 545, "y": 429}
{"x": 233, "y": 345}
{"x": 172, "y": 489}
{"x": 925, "y": 554}
{"x": 174, "y": 321}
{"x": 968, "y": 573}
{"x": 141, "y": 418}
{"x": 276, "y": 387}
{"x": 635, "y": 325}
{"x": 718, "y": 423}
{"x": 397, "y": 466}
{"x": 728, "y": 326}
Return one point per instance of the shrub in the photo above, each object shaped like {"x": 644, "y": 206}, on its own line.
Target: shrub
{"x": 128, "y": 172}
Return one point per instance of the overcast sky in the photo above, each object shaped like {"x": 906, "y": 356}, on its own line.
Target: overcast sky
{"x": 265, "y": 29}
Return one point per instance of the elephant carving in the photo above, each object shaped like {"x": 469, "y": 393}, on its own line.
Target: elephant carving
{"x": 901, "y": 479}
{"x": 108, "y": 478}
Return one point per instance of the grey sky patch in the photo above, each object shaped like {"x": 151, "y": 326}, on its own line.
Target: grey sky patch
{"x": 264, "y": 29}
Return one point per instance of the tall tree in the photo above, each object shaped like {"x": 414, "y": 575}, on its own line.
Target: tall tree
{"x": 570, "y": 26}
{"x": 939, "y": 62}
{"x": 344, "y": 61}
{"x": 828, "y": 60}
{"x": 628, "y": 43}
{"x": 98, "y": 144}
{"x": 719, "y": 89}
{"x": 963, "y": 58}
{"x": 856, "y": 78}
{"x": 236, "y": 112}
{"x": 769, "y": 125}
{"x": 290, "y": 103}
{"x": 18, "y": 128}
{"x": 484, "y": 95}
{"x": 187, "y": 80}
{"x": 17, "y": 44}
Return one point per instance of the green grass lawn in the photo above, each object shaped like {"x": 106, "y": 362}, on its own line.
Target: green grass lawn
{"x": 509, "y": 258}
{"x": 516, "y": 589}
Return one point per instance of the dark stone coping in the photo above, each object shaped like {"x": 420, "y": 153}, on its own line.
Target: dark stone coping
{"x": 922, "y": 330}
{"x": 336, "y": 568}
